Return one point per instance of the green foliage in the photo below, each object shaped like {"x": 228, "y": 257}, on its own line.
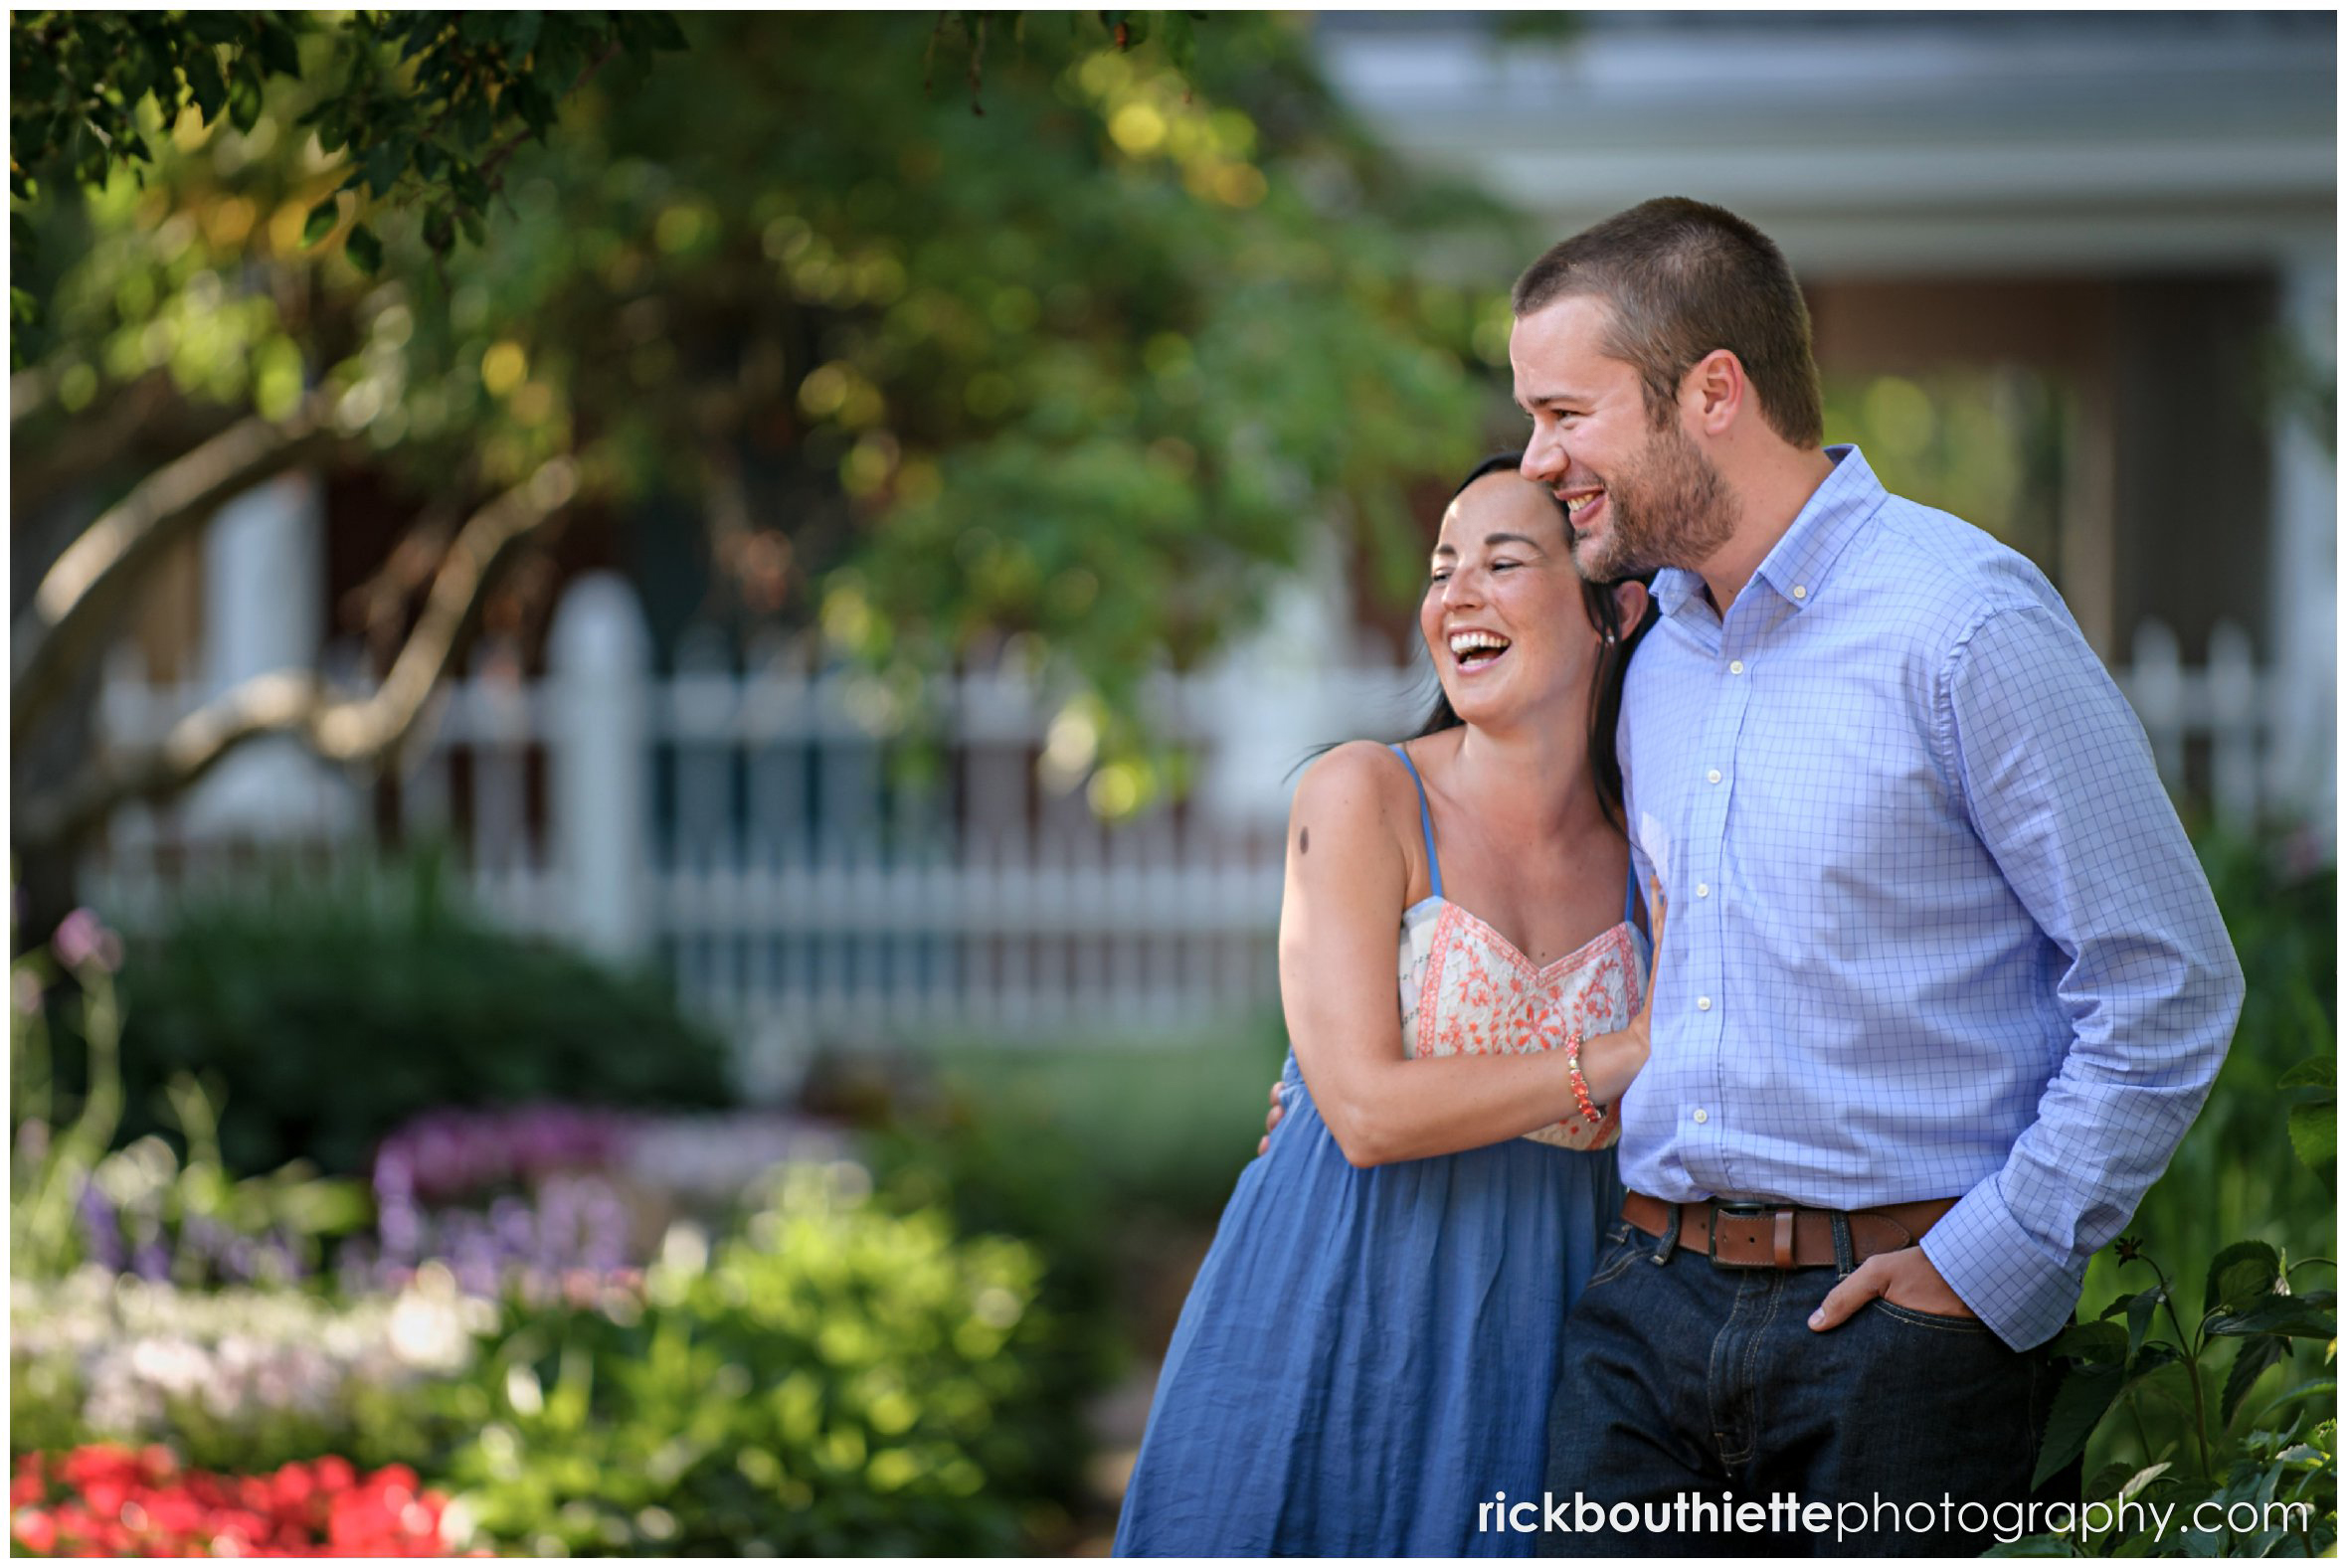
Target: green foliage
{"x": 1984, "y": 443}
{"x": 326, "y": 1013}
{"x": 841, "y": 1380}
{"x": 73, "y": 1202}
{"x": 2246, "y": 1452}
{"x": 427, "y": 107}
{"x": 1156, "y": 1126}
{"x": 1084, "y": 372}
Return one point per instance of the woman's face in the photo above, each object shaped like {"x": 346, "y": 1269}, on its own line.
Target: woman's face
{"x": 1503, "y": 617}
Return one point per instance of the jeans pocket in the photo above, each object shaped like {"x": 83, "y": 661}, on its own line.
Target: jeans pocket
{"x": 1940, "y": 1320}
{"x": 1623, "y": 1245}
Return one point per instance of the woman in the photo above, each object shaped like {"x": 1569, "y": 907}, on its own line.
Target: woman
{"x": 1367, "y": 1353}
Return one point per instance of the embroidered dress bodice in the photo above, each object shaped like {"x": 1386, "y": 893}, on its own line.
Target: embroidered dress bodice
{"x": 1467, "y": 990}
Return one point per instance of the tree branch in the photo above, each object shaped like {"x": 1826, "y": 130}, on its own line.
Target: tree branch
{"x": 79, "y": 597}
{"x": 353, "y": 732}
{"x": 145, "y": 418}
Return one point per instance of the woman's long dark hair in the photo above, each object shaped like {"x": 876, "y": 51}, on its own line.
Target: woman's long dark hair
{"x": 1613, "y": 656}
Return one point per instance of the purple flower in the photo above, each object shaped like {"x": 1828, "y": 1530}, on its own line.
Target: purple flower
{"x": 101, "y": 1228}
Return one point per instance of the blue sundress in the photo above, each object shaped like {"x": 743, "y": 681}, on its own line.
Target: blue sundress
{"x": 1367, "y": 1356}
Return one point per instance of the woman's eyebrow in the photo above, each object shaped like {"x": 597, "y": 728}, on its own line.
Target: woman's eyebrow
{"x": 1490, "y": 540}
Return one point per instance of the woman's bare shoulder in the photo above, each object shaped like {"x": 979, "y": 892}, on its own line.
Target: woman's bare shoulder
{"x": 1354, "y": 773}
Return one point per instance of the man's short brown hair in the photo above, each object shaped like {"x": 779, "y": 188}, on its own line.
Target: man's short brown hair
{"x": 1681, "y": 279}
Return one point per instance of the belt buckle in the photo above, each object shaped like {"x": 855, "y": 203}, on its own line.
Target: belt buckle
{"x": 1740, "y": 1209}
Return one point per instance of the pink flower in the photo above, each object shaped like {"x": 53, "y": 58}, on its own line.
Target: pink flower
{"x": 82, "y": 938}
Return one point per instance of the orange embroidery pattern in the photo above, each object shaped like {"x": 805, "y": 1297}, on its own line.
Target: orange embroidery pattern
{"x": 1476, "y": 996}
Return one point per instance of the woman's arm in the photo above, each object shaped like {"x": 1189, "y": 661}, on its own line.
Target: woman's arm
{"x": 1348, "y": 878}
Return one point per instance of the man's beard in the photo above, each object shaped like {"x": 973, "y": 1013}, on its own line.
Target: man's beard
{"x": 1672, "y": 509}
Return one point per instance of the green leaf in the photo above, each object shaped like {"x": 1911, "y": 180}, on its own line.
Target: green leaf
{"x": 243, "y": 98}
{"x": 2316, "y": 1072}
{"x": 279, "y": 50}
{"x": 2307, "y": 1316}
{"x": 2143, "y": 1478}
{"x": 1181, "y": 43}
{"x": 364, "y": 249}
{"x": 2314, "y": 1134}
{"x": 2078, "y": 1406}
{"x": 205, "y": 83}
{"x": 2249, "y": 1362}
{"x": 320, "y": 222}
{"x": 521, "y": 33}
{"x": 383, "y": 164}
{"x": 2139, "y": 1316}
{"x": 2243, "y": 1272}
{"x": 2318, "y": 1388}
{"x": 2107, "y": 1482}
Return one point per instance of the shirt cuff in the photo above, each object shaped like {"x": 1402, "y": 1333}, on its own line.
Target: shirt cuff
{"x": 2024, "y": 1291}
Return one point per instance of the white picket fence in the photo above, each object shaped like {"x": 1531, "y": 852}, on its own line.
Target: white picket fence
{"x": 746, "y": 827}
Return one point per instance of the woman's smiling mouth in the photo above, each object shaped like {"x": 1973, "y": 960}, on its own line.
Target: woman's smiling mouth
{"x": 1476, "y": 649}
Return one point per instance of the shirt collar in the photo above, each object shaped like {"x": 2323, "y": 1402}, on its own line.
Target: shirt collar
{"x": 1797, "y": 568}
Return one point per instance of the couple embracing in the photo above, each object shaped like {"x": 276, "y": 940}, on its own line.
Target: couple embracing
{"x": 1936, "y": 986}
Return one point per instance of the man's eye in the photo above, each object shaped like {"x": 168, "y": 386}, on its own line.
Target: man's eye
{"x": 1505, "y": 566}
{"x": 1440, "y": 574}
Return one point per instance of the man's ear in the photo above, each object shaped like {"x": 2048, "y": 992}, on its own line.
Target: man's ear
{"x": 1714, "y": 391}
{"x": 1630, "y": 600}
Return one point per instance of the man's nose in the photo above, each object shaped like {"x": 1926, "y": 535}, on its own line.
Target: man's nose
{"x": 1543, "y": 458}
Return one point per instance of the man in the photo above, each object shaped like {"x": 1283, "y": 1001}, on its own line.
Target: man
{"x": 1944, "y": 984}
{"x": 1941, "y": 983}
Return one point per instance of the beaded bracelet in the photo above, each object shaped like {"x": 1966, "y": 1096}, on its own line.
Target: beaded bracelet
{"x": 1573, "y": 1068}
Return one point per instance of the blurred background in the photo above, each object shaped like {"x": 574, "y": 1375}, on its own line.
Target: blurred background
{"x": 656, "y": 665}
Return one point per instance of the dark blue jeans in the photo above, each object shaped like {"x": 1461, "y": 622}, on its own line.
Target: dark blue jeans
{"x": 1684, "y": 1381}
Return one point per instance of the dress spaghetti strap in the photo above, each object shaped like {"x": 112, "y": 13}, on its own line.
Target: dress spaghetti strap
{"x": 1425, "y": 822}
{"x": 1630, "y": 894}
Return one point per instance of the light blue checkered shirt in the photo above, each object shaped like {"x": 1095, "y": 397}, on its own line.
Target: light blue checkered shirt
{"x": 1933, "y": 929}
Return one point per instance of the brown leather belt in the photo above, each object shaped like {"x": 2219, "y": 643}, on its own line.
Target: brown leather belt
{"x": 1772, "y": 1236}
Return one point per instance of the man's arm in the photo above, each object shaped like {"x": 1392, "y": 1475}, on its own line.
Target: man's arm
{"x": 2060, "y": 786}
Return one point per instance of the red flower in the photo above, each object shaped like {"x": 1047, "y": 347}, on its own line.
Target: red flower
{"x": 120, "y": 1503}
{"x": 35, "y": 1530}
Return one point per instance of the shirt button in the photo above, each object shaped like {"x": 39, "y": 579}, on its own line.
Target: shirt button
{"x": 1701, "y": 1116}
{"x": 1703, "y": 1004}
{"x": 1702, "y": 890}
{"x": 1801, "y": 592}
{"x": 1714, "y": 775}
{"x": 1735, "y": 666}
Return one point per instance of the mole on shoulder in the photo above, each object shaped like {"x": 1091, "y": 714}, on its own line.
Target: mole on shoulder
{"x": 1304, "y": 841}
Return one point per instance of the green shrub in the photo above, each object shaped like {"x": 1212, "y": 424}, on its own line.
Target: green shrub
{"x": 326, "y": 1013}
{"x": 838, "y": 1380}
